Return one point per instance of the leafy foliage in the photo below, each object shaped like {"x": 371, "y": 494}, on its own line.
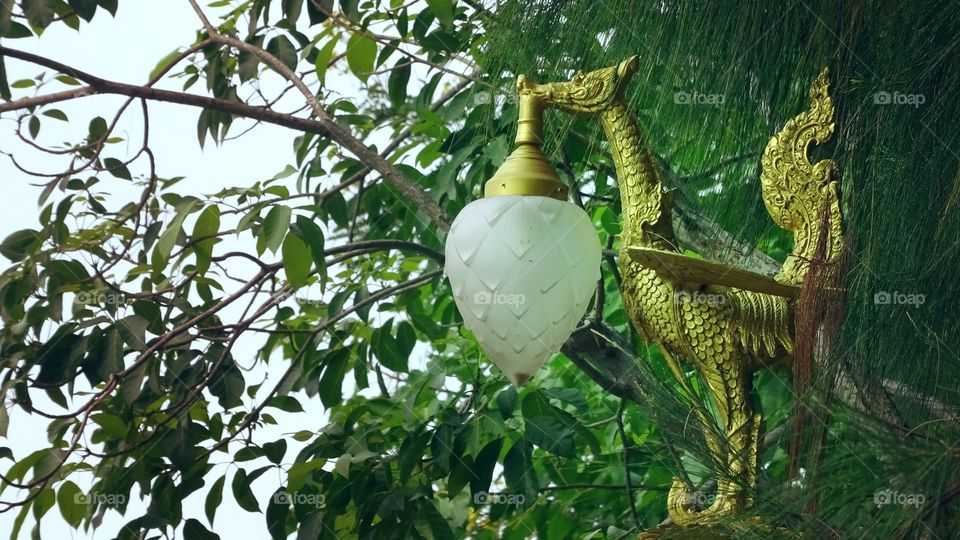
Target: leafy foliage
{"x": 134, "y": 326}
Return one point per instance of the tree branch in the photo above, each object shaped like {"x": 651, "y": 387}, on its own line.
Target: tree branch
{"x": 324, "y": 126}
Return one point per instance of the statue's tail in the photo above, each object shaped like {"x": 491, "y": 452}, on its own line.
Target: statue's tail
{"x": 802, "y": 197}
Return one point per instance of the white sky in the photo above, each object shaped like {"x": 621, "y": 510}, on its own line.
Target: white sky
{"x": 126, "y": 49}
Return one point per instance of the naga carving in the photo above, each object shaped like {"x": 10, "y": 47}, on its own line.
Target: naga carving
{"x": 727, "y": 322}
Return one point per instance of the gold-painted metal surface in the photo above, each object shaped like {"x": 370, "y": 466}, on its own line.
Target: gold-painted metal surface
{"x": 727, "y": 330}
{"x": 796, "y": 192}
{"x": 526, "y": 171}
{"x": 673, "y": 266}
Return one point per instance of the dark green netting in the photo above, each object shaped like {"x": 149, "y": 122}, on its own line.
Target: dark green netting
{"x": 889, "y": 383}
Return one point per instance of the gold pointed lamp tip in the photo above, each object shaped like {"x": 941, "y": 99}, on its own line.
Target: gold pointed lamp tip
{"x": 527, "y": 171}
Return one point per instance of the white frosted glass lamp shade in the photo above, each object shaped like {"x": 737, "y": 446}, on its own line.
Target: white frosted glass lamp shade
{"x": 522, "y": 269}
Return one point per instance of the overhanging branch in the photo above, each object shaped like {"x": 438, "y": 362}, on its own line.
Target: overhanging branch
{"x": 324, "y": 126}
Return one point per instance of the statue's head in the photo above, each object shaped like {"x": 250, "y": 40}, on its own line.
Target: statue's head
{"x": 586, "y": 93}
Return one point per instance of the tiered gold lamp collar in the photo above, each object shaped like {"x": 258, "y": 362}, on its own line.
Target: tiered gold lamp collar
{"x": 527, "y": 171}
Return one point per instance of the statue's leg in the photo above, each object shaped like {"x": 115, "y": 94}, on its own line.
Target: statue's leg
{"x": 725, "y": 374}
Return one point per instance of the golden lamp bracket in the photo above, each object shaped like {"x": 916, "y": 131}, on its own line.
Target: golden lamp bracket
{"x": 725, "y": 340}
{"x": 527, "y": 171}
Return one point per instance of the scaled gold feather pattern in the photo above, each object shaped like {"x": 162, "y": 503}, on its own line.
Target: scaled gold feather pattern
{"x": 727, "y": 333}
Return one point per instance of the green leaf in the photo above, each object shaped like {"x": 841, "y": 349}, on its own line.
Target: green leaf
{"x": 286, "y": 403}
{"x": 312, "y": 234}
{"x": 39, "y": 12}
{"x": 572, "y": 396}
{"x": 208, "y": 224}
{"x": 518, "y": 471}
{"x": 411, "y": 453}
{"x": 18, "y": 521}
{"x": 132, "y": 328}
{"x": 296, "y": 261}
{"x": 406, "y": 339}
{"x": 228, "y": 385}
{"x": 248, "y": 453}
{"x": 441, "y": 447}
{"x": 281, "y": 47}
{"x": 109, "y": 5}
{"x": 57, "y": 114}
{"x": 68, "y": 500}
{"x": 194, "y": 530}
{"x": 318, "y": 10}
{"x": 291, "y": 10}
{"x": 169, "y": 237}
{"x": 299, "y": 473}
{"x": 275, "y": 450}
{"x": 247, "y": 65}
{"x": 322, "y": 61}
{"x": 67, "y": 80}
{"x": 331, "y": 382}
{"x": 275, "y": 227}
{"x": 6, "y": 15}
{"x": 507, "y": 401}
{"x": 4, "y": 84}
{"x": 387, "y": 350}
{"x": 117, "y": 168}
{"x": 361, "y": 55}
{"x": 550, "y": 434}
{"x": 164, "y": 62}
{"x": 242, "y": 492}
{"x": 17, "y": 31}
{"x": 436, "y": 526}
{"x": 43, "y": 502}
{"x": 84, "y": 8}
{"x": 397, "y": 83}
{"x": 34, "y": 126}
{"x": 277, "y": 510}
{"x": 19, "y": 244}
{"x": 98, "y": 128}
{"x": 444, "y": 10}
{"x": 112, "y": 424}
{"x": 213, "y": 499}
{"x": 483, "y": 466}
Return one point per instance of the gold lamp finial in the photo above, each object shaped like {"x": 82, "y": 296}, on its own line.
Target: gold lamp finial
{"x": 527, "y": 171}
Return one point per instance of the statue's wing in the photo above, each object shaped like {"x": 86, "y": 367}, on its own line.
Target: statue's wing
{"x": 679, "y": 268}
{"x": 802, "y": 197}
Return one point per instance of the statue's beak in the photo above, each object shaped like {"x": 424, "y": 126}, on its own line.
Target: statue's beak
{"x": 524, "y": 85}
{"x": 626, "y": 69}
